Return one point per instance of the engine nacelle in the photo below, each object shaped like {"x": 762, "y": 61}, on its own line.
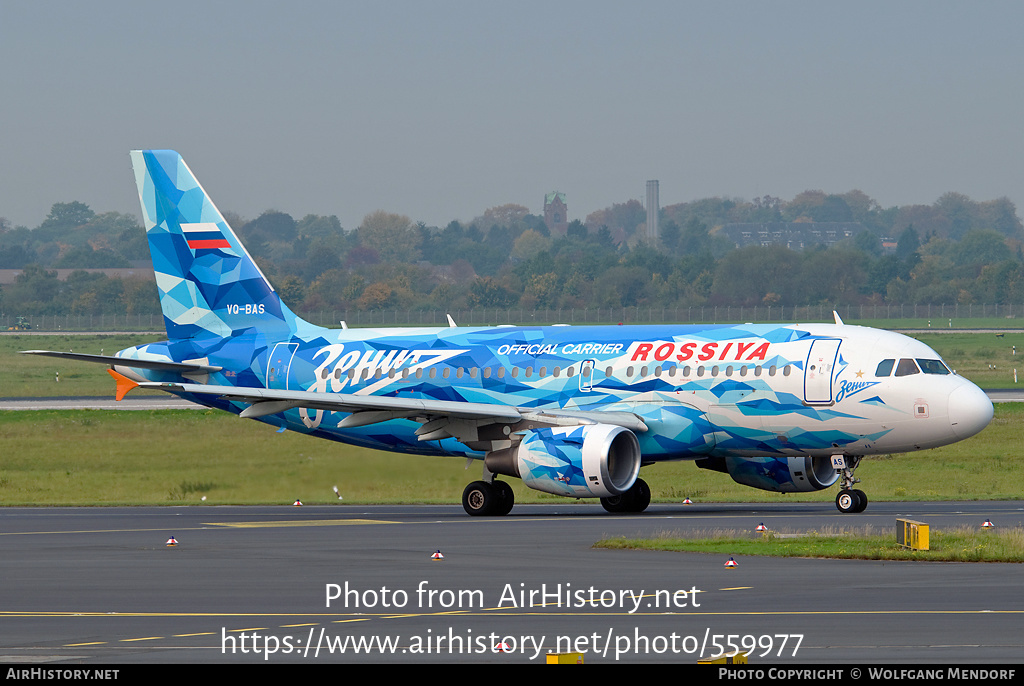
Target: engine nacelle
{"x": 782, "y": 474}
{"x": 591, "y": 461}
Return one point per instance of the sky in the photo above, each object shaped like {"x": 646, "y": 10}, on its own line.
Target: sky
{"x": 441, "y": 109}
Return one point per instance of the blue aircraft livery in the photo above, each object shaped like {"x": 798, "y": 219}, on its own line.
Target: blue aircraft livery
{"x": 573, "y": 411}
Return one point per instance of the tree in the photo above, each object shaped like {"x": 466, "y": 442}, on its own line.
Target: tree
{"x": 506, "y": 215}
{"x": 530, "y": 244}
{"x": 67, "y": 215}
{"x": 393, "y": 236}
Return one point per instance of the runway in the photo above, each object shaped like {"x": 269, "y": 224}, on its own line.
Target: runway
{"x": 255, "y": 584}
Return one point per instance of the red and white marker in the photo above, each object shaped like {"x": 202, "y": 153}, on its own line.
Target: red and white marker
{"x": 687, "y": 502}
{"x": 988, "y": 524}
{"x": 172, "y": 541}
{"x": 731, "y": 564}
{"x": 437, "y": 556}
{"x": 761, "y": 527}
{"x": 298, "y": 503}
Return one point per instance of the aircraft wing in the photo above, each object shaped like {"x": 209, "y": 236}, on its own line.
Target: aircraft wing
{"x": 112, "y": 360}
{"x": 371, "y": 409}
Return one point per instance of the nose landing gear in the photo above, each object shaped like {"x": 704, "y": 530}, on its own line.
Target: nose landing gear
{"x": 849, "y": 499}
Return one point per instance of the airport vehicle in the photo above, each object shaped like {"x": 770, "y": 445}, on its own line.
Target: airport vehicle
{"x": 574, "y": 411}
{"x": 21, "y": 325}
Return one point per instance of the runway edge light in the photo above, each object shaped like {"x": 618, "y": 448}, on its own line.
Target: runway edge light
{"x": 988, "y": 524}
{"x": 761, "y": 527}
{"x": 731, "y": 564}
{"x": 172, "y": 541}
{"x": 437, "y": 556}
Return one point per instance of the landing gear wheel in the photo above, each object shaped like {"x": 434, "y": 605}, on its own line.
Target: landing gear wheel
{"x": 480, "y": 499}
{"x": 506, "y": 498}
{"x": 851, "y": 501}
{"x": 636, "y": 499}
{"x": 641, "y": 493}
{"x": 863, "y": 500}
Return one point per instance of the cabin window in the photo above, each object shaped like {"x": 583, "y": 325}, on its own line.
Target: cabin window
{"x": 557, "y": 372}
{"x": 433, "y": 373}
{"x": 447, "y": 372}
{"x": 700, "y": 371}
{"x": 324, "y": 373}
{"x": 885, "y": 368}
{"x": 714, "y": 370}
{"x": 771, "y": 370}
{"x": 458, "y": 373}
{"x": 786, "y": 370}
{"x": 515, "y": 372}
{"x": 473, "y": 372}
{"x": 607, "y": 372}
{"x": 501, "y": 372}
{"x": 529, "y": 372}
{"x": 686, "y": 370}
{"x": 571, "y": 372}
{"x": 629, "y": 372}
{"x": 743, "y": 371}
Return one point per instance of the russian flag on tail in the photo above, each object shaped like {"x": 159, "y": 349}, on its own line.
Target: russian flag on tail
{"x": 204, "y": 236}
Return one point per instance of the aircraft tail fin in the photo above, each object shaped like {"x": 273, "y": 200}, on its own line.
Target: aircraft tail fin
{"x": 209, "y": 284}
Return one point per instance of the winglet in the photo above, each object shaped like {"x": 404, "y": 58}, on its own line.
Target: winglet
{"x": 451, "y": 322}
{"x": 838, "y": 320}
{"x": 124, "y": 384}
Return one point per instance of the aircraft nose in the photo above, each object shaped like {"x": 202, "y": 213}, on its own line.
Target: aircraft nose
{"x": 970, "y": 410}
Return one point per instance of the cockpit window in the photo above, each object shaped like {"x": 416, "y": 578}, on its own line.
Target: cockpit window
{"x": 932, "y": 366}
{"x": 906, "y": 367}
{"x": 885, "y": 368}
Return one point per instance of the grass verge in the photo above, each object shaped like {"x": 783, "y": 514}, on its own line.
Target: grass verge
{"x": 960, "y": 544}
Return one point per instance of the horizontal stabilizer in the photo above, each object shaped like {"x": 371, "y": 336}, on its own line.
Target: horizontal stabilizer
{"x": 166, "y": 366}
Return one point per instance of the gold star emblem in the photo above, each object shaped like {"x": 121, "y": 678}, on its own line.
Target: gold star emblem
{"x": 860, "y": 374}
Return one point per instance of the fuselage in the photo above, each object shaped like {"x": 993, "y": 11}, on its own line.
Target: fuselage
{"x": 719, "y": 391}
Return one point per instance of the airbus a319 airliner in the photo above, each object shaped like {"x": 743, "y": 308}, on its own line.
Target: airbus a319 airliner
{"x": 573, "y": 411}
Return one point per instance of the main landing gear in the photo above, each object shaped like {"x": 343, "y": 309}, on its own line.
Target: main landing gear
{"x": 849, "y": 499}
{"x": 481, "y": 499}
{"x": 636, "y": 499}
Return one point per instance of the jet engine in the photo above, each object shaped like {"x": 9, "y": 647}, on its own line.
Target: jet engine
{"x": 590, "y": 461}
{"x": 783, "y": 474}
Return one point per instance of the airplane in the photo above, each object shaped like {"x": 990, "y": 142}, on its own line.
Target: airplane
{"x": 574, "y": 411}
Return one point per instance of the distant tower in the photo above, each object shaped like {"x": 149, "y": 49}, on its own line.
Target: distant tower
{"x": 652, "y": 211}
{"x": 555, "y": 213}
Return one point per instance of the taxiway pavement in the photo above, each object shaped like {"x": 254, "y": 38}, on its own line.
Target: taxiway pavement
{"x": 251, "y": 584}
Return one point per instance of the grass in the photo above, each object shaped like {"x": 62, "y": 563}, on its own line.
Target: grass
{"x": 987, "y": 359}
{"x": 97, "y": 457}
{"x": 959, "y": 544}
{"x": 33, "y": 376}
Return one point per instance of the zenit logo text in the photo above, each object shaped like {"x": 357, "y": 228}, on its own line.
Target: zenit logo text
{"x": 721, "y": 351}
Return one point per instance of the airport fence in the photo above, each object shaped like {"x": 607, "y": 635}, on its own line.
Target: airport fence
{"x": 937, "y": 316}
